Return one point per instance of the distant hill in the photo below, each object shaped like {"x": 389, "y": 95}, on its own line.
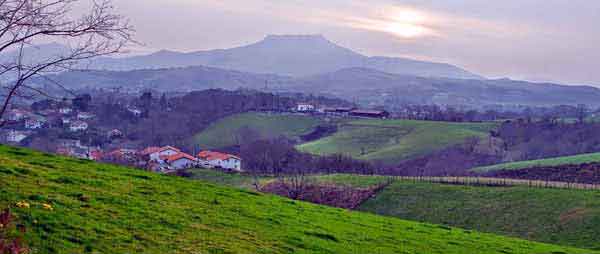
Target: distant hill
{"x": 368, "y": 86}
{"x": 98, "y": 208}
{"x": 292, "y": 55}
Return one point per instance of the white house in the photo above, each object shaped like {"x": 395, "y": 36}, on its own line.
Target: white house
{"x": 16, "y": 136}
{"x": 65, "y": 111}
{"x": 35, "y": 122}
{"x": 159, "y": 153}
{"x": 78, "y": 126}
{"x": 85, "y": 116}
{"x": 221, "y": 160}
{"x": 181, "y": 161}
{"x": 305, "y": 107}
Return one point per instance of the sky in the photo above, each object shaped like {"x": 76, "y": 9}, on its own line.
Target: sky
{"x": 537, "y": 40}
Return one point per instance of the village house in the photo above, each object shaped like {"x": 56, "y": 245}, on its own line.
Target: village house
{"x": 78, "y": 126}
{"x": 221, "y": 160}
{"x": 305, "y": 107}
{"x": 35, "y": 122}
{"x": 65, "y": 111}
{"x": 339, "y": 111}
{"x": 155, "y": 153}
{"x": 181, "y": 161}
{"x": 85, "y": 116}
{"x": 16, "y": 136}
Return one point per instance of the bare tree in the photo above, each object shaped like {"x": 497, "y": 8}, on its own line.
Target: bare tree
{"x": 26, "y": 22}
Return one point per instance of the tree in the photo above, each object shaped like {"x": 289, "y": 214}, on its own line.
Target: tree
{"x": 26, "y": 22}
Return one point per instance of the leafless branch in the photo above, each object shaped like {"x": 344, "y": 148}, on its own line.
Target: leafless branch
{"x": 25, "y": 22}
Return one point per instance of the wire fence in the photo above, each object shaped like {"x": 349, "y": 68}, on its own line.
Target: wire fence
{"x": 490, "y": 181}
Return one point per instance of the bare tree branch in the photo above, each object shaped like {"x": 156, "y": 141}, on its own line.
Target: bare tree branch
{"x": 25, "y": 22}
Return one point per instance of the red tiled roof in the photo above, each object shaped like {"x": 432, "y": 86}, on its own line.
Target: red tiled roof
{"x": 179, "y": 156}
{"x": 210, "y": 155}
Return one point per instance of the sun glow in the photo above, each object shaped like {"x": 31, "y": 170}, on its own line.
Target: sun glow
{"x": 407, "y": 23}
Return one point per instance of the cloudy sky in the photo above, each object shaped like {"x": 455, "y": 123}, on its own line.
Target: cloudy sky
{"x": 540, "y": 40}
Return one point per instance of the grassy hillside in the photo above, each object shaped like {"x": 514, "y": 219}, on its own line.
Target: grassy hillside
{"x": 567, "y": 160}
{"x": 564, "y": 217}
{"x": 392, "y": 141}
{"x": 108, "y": 209}
{"x": 223, "y": 132}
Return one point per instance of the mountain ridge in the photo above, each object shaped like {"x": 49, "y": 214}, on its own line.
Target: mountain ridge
{"x": 289, "y": 55}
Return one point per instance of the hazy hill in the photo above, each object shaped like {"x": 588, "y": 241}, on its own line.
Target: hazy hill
{"x": 293, "y": 55}
{"x": 367, "y": 85}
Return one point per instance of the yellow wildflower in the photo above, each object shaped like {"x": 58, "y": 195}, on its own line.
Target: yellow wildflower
{"x": 47, "y": 207}
{"x": 23, "y": 204}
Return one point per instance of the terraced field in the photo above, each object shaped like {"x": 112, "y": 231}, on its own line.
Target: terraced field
{"x": 392, "y": 141}
{"x": 98, "y": 208}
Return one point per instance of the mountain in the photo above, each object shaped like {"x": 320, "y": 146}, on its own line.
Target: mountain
{"x": 292, "y": 55}
{"x": 376, "y": 87}
{"x": 367, "y": 86}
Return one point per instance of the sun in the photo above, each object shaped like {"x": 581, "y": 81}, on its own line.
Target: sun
{"x": 407, "y": 23}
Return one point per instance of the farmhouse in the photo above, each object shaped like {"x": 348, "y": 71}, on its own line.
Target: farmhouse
{"x": 370, "y": 113}
{"x": 155, "y": 153}
{"x": 181, "y": 161}
{"x": 35, "y": 122}
{"x": 305, "y": 107}
{"x": 339, "y": 111}
{"x": 65, "y": 111}
{"x": 78, "y": 126}
{"x": 85, "y": 116}
{"x": 221, "y": 160}
{"x": 16, "y": 136}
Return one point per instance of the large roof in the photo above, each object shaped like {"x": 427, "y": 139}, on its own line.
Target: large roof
{"x": 210, "y": 155}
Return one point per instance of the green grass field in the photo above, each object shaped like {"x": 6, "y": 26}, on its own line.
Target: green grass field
{"x": 567, "y": 160}
{"x": 223, "y": 133}
{"x": 392, "y": 141}
{"x": 564, "y": 217}
{"x": 109, "y": 209}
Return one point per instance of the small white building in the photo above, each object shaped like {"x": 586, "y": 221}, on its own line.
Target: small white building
{"x": 85, "y": 116}
{"x": 305, "y": 107}
{"x": 65, "y": 110}
{"x": 35, "y": 122}
{"x": 78, "y": 126}
{"x": 221, "y": 160}
{"x": 16, "y": 136}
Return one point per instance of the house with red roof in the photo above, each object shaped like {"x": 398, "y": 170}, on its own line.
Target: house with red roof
{"x": 181, "y": 161}
{"x": 155, "y": 153}
{"x": 221, "y": 160}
